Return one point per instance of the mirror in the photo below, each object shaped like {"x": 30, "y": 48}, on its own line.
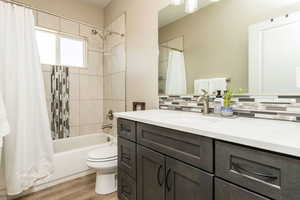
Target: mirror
{"x": 230, "y": 44}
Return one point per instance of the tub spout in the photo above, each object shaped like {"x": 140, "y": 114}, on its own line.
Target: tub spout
{"x": 107, "y": 126}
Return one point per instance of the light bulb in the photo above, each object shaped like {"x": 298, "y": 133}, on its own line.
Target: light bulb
{"x": 191, "y": 6}
{"x": 177, "y": 2}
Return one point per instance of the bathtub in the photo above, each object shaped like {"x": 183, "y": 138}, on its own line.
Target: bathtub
{"x": 70, "y": 158}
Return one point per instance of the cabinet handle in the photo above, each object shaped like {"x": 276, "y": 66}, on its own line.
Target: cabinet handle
{"x": 169, "y": 186}
{"x": 239, "y": 169}
{"x": 160, "y": 182}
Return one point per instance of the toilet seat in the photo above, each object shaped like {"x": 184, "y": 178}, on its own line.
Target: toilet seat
{"x": 103, "y": 154}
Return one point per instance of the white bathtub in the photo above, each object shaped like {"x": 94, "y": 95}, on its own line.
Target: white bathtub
{"x": 70, "y": 158}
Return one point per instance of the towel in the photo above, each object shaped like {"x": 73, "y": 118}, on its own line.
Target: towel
{"x": 4, "y": 126}
{"x": 216, "y": 84}
{"x": 199, "y": 85}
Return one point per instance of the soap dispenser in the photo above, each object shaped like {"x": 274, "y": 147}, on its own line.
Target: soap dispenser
{"x": 218, "y": 103}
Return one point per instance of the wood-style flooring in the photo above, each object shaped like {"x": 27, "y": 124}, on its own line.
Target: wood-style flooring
{"x": 79, "y": 189}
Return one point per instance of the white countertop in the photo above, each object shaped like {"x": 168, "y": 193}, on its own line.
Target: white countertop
{"x": 278, "y": 136}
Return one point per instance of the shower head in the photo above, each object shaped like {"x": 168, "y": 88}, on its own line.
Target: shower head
{"x": 105, "y": 34}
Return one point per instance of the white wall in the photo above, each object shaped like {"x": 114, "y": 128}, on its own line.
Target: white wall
{"x": 142, "y": 47}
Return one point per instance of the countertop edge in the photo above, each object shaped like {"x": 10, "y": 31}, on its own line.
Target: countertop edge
{"x": 290, "y": 151}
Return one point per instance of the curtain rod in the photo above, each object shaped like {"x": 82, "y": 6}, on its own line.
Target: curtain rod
{"x": 47, "y": 12}
{"x": 172, "y": 48}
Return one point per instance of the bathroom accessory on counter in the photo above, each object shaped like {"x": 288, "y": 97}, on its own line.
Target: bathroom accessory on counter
{"x": 227, "y": 110}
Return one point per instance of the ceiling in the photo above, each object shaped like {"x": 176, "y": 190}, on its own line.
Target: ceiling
{"x": 172, "y": 13}
{"x": 99, "y": 3}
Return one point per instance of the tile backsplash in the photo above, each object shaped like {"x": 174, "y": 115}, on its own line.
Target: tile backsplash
{"x": 281, "y": 107}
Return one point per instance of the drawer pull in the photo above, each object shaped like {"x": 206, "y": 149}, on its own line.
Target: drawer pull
{"x": 169, "y": 186}
{"x": 159, "y": 181}
{"x": 239, "y": 169}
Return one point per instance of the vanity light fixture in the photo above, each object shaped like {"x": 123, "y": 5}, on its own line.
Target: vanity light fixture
{"x": 191, "y": 6}
{"x": 177, "y": 2}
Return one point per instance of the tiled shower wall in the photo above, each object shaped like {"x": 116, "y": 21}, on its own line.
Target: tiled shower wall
{"x": 115, "y": 69}
{"x": 86, "y": 84}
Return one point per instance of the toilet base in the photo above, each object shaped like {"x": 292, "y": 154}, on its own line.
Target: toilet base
{"x": 106, "y": 183}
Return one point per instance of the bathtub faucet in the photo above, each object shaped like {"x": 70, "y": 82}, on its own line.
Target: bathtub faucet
{"x": 107, "y": 126}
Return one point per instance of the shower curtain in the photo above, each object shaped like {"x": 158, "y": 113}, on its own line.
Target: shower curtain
{"x": 28, "y": 149}
{"x": 60, "y": 104}
{"x": 176, "y": 75}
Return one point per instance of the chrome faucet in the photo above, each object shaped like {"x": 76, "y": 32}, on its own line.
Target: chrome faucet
{"x": 204, "y": 98}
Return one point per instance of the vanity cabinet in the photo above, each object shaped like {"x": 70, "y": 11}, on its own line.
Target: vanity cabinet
{"x": 228, "y": 191}
{"x": 269, "y": 174}
{"x": 169, "y": 165}
{"x": 161, "y": 177}
{"x": 127, "y": 156}
{"x": 192, "y": 149}
{"x": 165, "y": 164}
{"x": 151, "y": 173}
{"x": 126, "y": 187}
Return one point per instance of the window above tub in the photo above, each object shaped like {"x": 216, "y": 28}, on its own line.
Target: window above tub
{"x": 60, "y": 49}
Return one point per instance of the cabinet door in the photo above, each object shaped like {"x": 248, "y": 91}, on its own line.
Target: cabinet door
{"x": 228, "y": 191}
{"x": 151, "y": 174}
{"x": 127, "y": 157}
{"x": 186, "y": 182}
{"x": 126, "y": 187}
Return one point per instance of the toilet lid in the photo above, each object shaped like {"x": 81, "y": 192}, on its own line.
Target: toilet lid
{"x": 104, "y": 153}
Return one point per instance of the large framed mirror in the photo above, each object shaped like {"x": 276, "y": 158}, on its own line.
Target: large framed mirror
{"x": 249, "y": 46}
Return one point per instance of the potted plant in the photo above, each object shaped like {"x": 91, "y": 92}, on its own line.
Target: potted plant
{"x": 227, "y": 110}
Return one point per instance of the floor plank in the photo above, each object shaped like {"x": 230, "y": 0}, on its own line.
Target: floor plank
{"x": 79, "y": 189}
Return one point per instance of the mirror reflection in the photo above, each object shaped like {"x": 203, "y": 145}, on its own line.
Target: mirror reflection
{"x": 244, "y": 45}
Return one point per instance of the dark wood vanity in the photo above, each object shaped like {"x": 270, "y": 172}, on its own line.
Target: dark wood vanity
{"x": 156, "y": 163}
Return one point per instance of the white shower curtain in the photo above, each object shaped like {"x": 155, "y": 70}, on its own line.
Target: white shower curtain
{"x": 176, "y": 75}
{"x": 28, "y": 148}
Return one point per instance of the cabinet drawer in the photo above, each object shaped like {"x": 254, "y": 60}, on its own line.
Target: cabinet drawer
{"x": 227, "y": 191}
{"x": 127, "y": 156}
{"x": 127, "y": 129}
{"x": 192, "y": 149}
{"x": 271, "y": 175}
{"x": 126, "y": 187}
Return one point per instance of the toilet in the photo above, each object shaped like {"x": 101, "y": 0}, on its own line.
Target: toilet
{"x": 104, "y": 160}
